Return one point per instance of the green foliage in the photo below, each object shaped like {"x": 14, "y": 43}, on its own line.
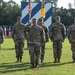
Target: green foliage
{"x": 9, "y": 67}
{"x": 9, "y": 13}
{"x": 37, "y": 1}
{"x": 67, "y": 15}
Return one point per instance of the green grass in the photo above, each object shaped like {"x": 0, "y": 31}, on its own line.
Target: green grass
{"x": 9, "y": 67}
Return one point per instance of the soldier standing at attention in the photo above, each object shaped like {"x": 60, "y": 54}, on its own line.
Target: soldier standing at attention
{"x": 18, "y": 36}
{"x": 40, "y": 23}
{"x": 1, "y": 37}
{"x": 27, "y": 31}
{"x": 57, "y": 35}
{"x": 36, "y": 37}
{"x": 71, "y": 38}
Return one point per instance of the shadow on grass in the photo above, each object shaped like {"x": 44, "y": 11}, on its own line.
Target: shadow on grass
{"x": 7, "y": 49}
{"x": 51, "y": 64}
{"x": 13, "y": 67}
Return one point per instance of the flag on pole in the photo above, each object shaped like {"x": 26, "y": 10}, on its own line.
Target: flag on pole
{"x": 29, "y": 9}
{"x": 43, "y": 14}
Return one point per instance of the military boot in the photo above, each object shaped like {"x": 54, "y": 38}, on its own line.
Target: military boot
{"x": 73, "y": 60}
{"x": 32, "y": 66}
{"x": 41, "y": 61}
{"x": 36, "y": 65}
{"x": 55, "y": 60}
{"x": 42, "y": 58}
{"x": 21, "y": 59}
{"x": 58, "y": 60}
{"x": 17, "y": 60}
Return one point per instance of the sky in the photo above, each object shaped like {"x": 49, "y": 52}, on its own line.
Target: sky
{"x": 61, "y": 3}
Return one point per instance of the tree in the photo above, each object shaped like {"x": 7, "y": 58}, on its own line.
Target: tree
{"x": 37, "y": 1}
{"x": 9, "y": 14}
{"x": 70, "y": 5}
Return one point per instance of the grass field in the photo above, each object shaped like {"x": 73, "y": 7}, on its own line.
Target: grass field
{"x": 9, "y": 67}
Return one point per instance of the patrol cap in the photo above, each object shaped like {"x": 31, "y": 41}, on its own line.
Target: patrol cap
{"x": 40, "y": 19}
{"x": 34, "y": 19}
{"x": 19, "y": 17}
{"x": 57, "y": 17}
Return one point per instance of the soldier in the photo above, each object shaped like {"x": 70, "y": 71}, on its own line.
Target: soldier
{"x": 41, "y": 23}
{"x": 1, "y": 37}
{"x": 57, "y": 35}
{"x": 71, "y": 38}
{"x": 27, "y": 27}
{"x": 18, "y": 36}
{"x": 36, "y": 37}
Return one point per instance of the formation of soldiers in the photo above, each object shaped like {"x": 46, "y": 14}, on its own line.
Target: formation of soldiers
{"x": 37, "y": 35}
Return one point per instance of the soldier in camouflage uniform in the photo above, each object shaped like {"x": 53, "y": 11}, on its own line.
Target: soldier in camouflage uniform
{"x": 27, "y": 27}
{"x": 36, "y": 38}
{"x": 18, "y": 36}
{"x": 41, "y": 23}
{"x": 57, "y": 35}
{"x": 71, "y": 37}
{"x": 1, "y": 37}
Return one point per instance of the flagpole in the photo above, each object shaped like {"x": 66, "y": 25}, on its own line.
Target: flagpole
{"x": 29, "y": 9}
{"x": 43, "y": 9}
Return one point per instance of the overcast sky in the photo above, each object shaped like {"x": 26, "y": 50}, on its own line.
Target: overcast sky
{"x": 61, "y": 3}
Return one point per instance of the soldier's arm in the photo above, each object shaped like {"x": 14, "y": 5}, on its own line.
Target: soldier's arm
{"x": 25, "y": 31}
{"x": 2, "y": 34}
{"x": 51, "y": 33}
{"x": 64, "y": 32}
{"x": 13, "y": 32}
{"x": 69, "y": 31}
{"x": 43, "y": 39}
{"x": 47, "y": 35}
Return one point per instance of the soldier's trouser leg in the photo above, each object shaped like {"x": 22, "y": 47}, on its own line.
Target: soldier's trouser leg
{"x": 21, "y": 46}
{"x": 42, "y": 52}
{"x": 17, "y": 49}
{"x": 27, "y": 44}
{"x": 31, "y": 53}
{"x": 73, "y": 55}
{"x": 73, "y": 51}
{"x": 55, "y": 49}
{"x": 59, "y": 49}
{"x": 37, "y": 54}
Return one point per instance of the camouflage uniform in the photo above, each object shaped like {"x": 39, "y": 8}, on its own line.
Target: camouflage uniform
{"x": 46, "y": 40}
{"x": 1, "y": 36}
{"x": 18, "y": 36}
{"x": 27, "y": 27}
{"x": 57, "y": 36}
{"x": 71, "y": 37}
{"x": 36, "y": 38}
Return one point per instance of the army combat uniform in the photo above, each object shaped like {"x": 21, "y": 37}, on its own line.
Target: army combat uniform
{"x": 36, "y": 37}
{"x": 27, "y": 31}
{"x": 71, "y": 37}
{"x": 46, "y": 40}
{"x": 18, "y": 36}
{"x": 57, "y": 35}
{"x": 1, "y": 36}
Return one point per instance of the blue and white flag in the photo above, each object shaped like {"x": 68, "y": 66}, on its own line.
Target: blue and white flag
{"x": 36, "y": 12}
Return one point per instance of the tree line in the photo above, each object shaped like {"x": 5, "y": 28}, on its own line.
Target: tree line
{"x": 9, "y": 13}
